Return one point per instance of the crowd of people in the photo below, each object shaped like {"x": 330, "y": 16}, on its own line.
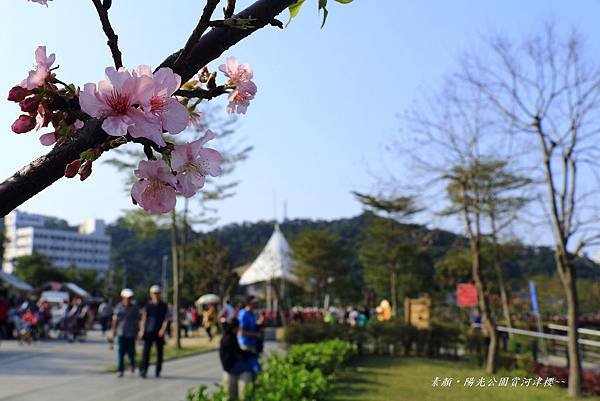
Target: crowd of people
{"x": 32, "y": 319}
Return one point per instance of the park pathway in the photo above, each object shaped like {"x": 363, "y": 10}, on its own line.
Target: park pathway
{"x": 57, "y": 371}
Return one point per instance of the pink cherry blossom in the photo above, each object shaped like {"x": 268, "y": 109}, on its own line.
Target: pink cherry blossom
{"x": 239, "y": 75}
{"x": 193, "y": 163}
{"x": 48, "y": 139}
{"x": 163, "y": 109}
{"x": 236, "y": 72}
{"x": 239, "y": 99}
{"x": 37, "y": 78}
{"x": 114, "y": 100}
{"x": 155, "y": 191}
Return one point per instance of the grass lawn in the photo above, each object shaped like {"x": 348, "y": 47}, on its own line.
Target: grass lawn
{"x": 380, "y": 378}
{"x": 189, "y": 346}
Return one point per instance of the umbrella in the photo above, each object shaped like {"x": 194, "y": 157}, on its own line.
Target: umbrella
{"x": 208, "y": 299}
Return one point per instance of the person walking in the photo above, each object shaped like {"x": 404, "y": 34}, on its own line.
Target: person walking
{"x": 209, "y": 320}
{"x": 228, "y": 312}
{"x": 125, "y": 325}
{"x": 153, "y": 329}
{"x": 249, "y": 333}
{"x": 105, "y": 312}
{"x": 235, "y": 361}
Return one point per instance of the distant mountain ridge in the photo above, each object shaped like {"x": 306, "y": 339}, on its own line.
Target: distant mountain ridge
{"x": 143, "y": 256}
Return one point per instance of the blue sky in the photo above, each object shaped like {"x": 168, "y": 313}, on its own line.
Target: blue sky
{"x": 328, "y": 98}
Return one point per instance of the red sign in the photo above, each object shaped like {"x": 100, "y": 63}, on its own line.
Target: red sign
{"x": 466, "y": 295}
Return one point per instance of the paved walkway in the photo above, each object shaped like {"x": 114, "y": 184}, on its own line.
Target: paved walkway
{"x": 58, "y": 371}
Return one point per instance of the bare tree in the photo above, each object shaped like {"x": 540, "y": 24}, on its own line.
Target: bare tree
{"x": 503, "y": 197}
{"x": 466, "y": 192}
{"x": 543, "y": 88}
{"x": 453, "y": 139}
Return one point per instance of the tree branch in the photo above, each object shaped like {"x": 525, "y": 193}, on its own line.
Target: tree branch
{"x": 200, "y": 93}
{"x": 202, "y": 26}
{"x": 108, "y": 30}
{"x": 44, "y": 171}
{"x": 230, "y": 9}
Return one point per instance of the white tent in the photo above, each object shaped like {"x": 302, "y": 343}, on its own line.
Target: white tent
{"x": 274, "y": 262}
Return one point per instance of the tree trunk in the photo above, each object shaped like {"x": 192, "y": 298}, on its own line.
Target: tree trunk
{"x": 501, "y": 285}
{"x": 280, "y": 304}
{"x": 174, "y": 257}
{"x": 394, "y": 292}
{"x": 184, "y": 240}
{"x": 474, "y": 234}
{"x": 568, "y": 279}
{"x": 487, "y": 320}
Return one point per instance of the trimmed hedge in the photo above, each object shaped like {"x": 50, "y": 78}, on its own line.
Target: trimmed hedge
{"x": 326, "y": 356}
{"x": 392, "y": 336}
{"x": 302, "y": 374}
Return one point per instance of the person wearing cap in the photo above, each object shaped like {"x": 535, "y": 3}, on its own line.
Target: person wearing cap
{"x": 153, "y": 329}
{"x": 125, "y": 325}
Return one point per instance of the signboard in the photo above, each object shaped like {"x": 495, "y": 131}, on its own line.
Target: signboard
{"x": 417, "y": 312}
{"x": 466, "y": 295}
{"x": 534, "y": 301}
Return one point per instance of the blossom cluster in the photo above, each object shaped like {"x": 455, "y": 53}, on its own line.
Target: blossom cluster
{"x": 42, "y": 102}
{"x": 43, "y": 2}
{"x": 190, "y": 164}
{"x": 140, "y": 106}
{"x": 240, "y": 76}
{"x": 137, "y": 103}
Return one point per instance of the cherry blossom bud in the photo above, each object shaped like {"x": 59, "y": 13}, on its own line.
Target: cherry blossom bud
{"x": 30, "y": 104}
{"x": 85, "y": 170}
{"x": 17, "y": 93}
{"x": 72, "y": 168}
{"x": 23, "y": 124}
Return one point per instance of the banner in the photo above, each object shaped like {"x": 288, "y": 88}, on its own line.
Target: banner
{"x": 534, "y": 300}
{"x": 466, "y": 295}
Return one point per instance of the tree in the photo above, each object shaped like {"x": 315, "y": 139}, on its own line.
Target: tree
{"x": 321, "y": 263}
{"x": 88, "y": 279}
{"x": 395, "y": 260}
{"x": 208, "y": 269}
{"x": 389, "y": 250}
{"x": 502, "y": 201}
{"x": 36, "y": 269}
{"x": 465, "y": 189}
{"x": 545, "y": 90}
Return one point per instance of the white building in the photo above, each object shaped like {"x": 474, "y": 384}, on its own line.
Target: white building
{"x": 87, "y": 247}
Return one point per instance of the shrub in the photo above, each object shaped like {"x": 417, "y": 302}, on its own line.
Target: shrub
{"x": 315, "y": 331}
{"x": 444, "y": 337}
{"x": 326, "y": 356}
{"x": 284, "y": 381}
{"x": 202, "y": 394}
{"x": 590, "y": 383}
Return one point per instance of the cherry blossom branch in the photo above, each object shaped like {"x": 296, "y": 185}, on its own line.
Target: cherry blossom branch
{"x": 109, "y": 31}
{"x": 203, "y": 25}
{"x": 200, "y": 93}
{"x": 44, "y": 171}
{"x": 47, "y": 169}
{"x": 149, "y": 144}
{"x": 230, "y": 9}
